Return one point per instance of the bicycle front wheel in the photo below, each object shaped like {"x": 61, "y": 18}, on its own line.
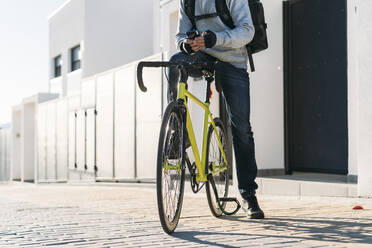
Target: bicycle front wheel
{"x": 170, "y": 178}
{"x": 217, "y": 185}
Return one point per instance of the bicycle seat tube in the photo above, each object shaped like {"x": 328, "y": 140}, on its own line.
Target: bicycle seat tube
{"x": 183, "y": 82}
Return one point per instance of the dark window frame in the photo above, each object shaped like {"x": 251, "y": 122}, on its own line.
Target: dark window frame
{"x": 74, "y": 58}
{"x": 58, "y": 66}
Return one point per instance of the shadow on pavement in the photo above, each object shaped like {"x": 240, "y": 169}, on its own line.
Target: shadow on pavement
{"x": 191, "y": 236}
{"x": 356, "y": 230}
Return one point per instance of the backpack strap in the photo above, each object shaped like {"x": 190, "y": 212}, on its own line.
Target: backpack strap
{"x": 201, "y": 17}
{"x": 224, "y": 13}
{"x": 190, "y": 11}
{"x": 250, "y": 58}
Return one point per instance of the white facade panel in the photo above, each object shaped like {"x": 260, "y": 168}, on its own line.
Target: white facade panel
{"x": 2, "y": 157}
{"x": 51, "y": 163}
{"x": 56, "y": 86}
{"x": 267, "y": 109}
{"x": 149, "y": 114}
{"x": 42, "y": 141}
{"x": 88, "y": 93}
{"x": 365, "y": 100}
{"x": 74, "y": 83}
{"x": 74, "y": 103}
{"x": 90, "y": 140}
{"x": 147, "y": 148}
{"x": 71, "y": 140}
{"x": 28, "y": 141}
{"x": 125, "y": 88}
{"x": 62, "y": 139}
{"x": 16, "y": 144}
{"x": 80, "y": 140}
{"x": 105, "y": 125}
{"x": 353, "y": 85}
{"x": 8, "y": 137}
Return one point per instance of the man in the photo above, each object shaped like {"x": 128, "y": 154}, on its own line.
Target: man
{"x": 227, "y": 45}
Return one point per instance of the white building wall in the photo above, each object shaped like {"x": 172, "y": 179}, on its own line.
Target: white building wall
{"x": 28, "y": 142}
{"x": 105, "y": 126}
{"x": 25, "y": 133}
{"x": 62, "y": 139}
{"x": 364, "y": 10}
{"x": 51, "y": 144}
{"x": 125, "y": 119}
{"x": 5, "y": 154}
{"x": 52, "y": 141}
{"x": 148, "y": 120}
{"x": 116, "y": 33}
{"x": 156, "y": 27}
{"x": 353, "y": 85}
{"x": 90, "y": 149}
{"x": 2, "y": 156}
{"x": 41, "y": 171}
{"x": 66, "y": 30}
{"x": 88, "y": 102}
{"x": 8, "y": 152}
{"x": 16, "y": 143}
{"x": 267, "y": 110}
{"x": 74, "y": 104}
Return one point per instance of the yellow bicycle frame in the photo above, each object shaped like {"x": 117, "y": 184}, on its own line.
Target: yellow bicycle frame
{"x": 208, "y": 119}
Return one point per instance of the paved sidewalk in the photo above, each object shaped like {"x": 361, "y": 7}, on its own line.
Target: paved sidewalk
{"x": 125, "y": 216}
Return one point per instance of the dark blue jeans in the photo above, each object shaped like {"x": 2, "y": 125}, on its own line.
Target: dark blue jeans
{"x": 235, "y": 88}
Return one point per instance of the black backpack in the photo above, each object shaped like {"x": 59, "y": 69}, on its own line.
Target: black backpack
{"x": 259, "y": 41}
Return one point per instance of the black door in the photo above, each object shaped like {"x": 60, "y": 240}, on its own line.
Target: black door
{"x": 315, "y": 51}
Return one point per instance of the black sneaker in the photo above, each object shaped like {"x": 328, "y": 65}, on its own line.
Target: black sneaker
{"x": 251, "y": 207}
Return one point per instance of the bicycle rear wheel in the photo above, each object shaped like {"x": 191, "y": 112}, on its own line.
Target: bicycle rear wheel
{"x": 215, "y": 161}
{"x": 170, "y": 178}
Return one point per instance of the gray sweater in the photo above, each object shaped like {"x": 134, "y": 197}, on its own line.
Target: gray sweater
{"x": 230, "y": 46}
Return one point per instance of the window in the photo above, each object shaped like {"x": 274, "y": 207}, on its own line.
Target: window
{"x": 75, "y": 58}
{"x": 58, "y": 66}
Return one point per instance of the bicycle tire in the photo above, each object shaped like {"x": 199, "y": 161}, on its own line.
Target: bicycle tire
{"x": 222, "y": 179}
{"x": 169, "y": 218}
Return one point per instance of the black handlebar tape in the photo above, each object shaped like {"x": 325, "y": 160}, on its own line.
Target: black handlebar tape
{"x": 140, "y": 78}
{"x": 141, "y": 65}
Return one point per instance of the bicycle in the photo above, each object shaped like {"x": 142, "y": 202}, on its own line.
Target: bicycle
{"x": 209, "y": 169}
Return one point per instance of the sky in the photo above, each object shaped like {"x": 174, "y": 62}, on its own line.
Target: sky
{"x": 24, "y": 65}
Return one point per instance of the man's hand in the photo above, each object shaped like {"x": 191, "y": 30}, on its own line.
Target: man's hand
{"x": 197, "y": 44}
{"x": 207, "y": 40}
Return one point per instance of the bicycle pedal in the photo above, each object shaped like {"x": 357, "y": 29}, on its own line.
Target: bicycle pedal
{"x": 230, "y": 199}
